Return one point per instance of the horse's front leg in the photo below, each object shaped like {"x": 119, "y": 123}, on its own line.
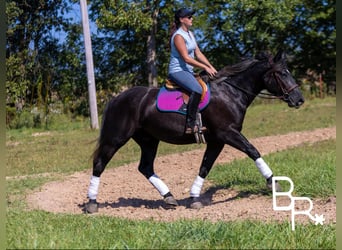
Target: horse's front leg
{"x": 210, "y": 155}
{"x": 238, "y": 141}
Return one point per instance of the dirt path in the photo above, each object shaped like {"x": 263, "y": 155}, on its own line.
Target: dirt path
{"x": 124, "y": 192}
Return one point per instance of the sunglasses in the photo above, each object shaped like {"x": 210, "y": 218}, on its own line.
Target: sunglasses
{"x": 189, "y": 17}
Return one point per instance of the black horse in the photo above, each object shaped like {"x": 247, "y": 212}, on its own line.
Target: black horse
{"x": 133, "y": 114}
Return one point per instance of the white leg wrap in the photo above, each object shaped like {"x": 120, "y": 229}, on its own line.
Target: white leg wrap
{"x": 196, "y": 188}
{"x": 159, "y": 185}
{"x": 93, "y": 187}
{"x": 264, "y": 169}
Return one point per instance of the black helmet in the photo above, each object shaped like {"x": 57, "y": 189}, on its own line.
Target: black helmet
{"x": 184, "y": 12}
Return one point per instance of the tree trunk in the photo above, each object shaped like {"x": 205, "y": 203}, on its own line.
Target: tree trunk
{"x": 151, "y": 51}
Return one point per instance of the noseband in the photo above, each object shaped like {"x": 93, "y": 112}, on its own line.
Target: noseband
{"x": 274, "y": 73}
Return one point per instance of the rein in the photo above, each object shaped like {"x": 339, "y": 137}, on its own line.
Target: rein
{"x": 262, "y": 94}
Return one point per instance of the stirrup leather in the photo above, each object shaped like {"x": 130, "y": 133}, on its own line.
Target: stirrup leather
{"x": 198, "y": 130}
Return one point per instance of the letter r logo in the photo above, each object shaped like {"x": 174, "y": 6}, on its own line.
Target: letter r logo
{"x": 319, "y": 219}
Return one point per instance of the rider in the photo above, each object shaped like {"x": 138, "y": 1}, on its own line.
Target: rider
{"x": 184, "y": 50}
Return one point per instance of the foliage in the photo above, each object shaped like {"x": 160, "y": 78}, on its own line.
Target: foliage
{"x": 40, "y": 66}
{"x": 24, "y": 119}
{"x": 45, "y": 56}
{"x": 314, "y": 30}
{"x": 243, "y": 28}
{"x": 136, "y": 31}
{"x": 29, "y": 43}
{"x": 305, "y": 29}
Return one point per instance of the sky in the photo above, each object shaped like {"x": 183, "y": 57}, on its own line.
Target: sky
{"x": 76, "y": 16}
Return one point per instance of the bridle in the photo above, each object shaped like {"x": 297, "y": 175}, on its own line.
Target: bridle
{"x": 285, "y": 91}
{"x": 272, "y": 73}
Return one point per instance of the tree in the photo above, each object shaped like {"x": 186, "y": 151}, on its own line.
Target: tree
{"x": 236, "y": 29}
{"x": 31, "y": 47}
{"x": 305, "y": 29}
{"x": 45, "y": 57}
{"x": 131, "y": 44}
{"x": 313, "y": 38}
{"x": 130, "y": 27}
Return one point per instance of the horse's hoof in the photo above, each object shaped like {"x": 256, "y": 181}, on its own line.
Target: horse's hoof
{"x": 196, "y": 204}
{"x": 170, "y": 202}
{"x": 276, "y": 185}
{"x": 92, "y": 207}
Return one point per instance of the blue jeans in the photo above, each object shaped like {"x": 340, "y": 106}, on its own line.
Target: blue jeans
{"x": 186, "y": 80}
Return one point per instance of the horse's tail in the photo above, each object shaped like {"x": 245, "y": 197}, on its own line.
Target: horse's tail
{"x": 100, "y": 138}
{"x": 119, "y": 119}
{"x": 97, "y": 149}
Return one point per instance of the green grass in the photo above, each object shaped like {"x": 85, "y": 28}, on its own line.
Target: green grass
{"x": 44, "y": 230}
{"x": 67, "y": 148}
{"x": 277, "y": 118}
{"x": 312, "y": 168}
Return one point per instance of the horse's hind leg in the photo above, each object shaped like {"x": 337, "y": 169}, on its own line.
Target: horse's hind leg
{"x": 149, "y": 146}
{"x": 102, "y": 156}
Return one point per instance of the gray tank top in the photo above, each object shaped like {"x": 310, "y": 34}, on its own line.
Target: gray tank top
{"x": 176, "y": 61}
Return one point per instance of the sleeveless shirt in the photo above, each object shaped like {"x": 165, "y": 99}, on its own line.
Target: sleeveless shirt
{"x": 176, "y": 61}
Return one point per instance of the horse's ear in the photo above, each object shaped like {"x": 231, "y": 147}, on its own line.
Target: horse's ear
{"x": 262, "y": 55}
{"x": 279, "y": 56}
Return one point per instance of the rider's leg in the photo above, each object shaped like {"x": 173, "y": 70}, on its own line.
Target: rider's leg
{"x": 191, "y": 115}
{"x": 188, "y": 82}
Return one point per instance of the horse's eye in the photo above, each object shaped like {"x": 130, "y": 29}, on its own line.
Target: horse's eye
{"x": 285, "y": 73}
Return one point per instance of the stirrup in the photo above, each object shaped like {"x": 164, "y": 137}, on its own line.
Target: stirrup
{"x": 195, "y": 129}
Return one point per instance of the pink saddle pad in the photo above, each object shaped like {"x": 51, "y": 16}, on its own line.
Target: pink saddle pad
{"x": 172, "y": 101}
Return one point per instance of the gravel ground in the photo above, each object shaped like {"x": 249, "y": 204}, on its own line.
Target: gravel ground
{"x": 125, "y": 193}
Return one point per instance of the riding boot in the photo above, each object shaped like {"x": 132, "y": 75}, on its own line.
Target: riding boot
{"x": 192, "y": 109}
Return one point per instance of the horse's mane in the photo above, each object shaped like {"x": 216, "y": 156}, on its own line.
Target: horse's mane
{"x": 237, "y": 68}
{"x": 244, "y": 64}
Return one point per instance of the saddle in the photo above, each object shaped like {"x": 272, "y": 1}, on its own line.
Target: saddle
{"x": 173, "y": 98}
{"x": 173, "y": 86}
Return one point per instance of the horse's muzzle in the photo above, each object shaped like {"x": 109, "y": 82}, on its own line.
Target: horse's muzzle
{"x": 295, "y": 99}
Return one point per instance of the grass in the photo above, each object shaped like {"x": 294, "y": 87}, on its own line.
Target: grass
{"x": 44, "y": 230}
{"x": 312, "y": 168}
{"x": 277, "y": 118}
{"x": 67, "y": 149}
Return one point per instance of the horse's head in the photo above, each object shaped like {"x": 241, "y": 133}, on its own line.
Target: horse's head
{"x": 279, "y": 81}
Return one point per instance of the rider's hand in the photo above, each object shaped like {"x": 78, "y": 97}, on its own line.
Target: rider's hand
{"x": 211, "y": 71}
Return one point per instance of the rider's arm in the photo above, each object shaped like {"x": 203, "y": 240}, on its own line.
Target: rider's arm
{"x": 183, "y": 51}
{"x": 203, "y": 59}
